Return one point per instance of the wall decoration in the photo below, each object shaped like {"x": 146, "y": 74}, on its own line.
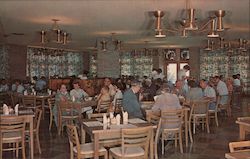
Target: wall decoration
{"x": 184, "y": 55}
{"x": 170, "y": 54}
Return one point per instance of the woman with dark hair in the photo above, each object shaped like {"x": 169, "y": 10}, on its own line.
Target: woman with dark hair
{"x": 195, "y": 92}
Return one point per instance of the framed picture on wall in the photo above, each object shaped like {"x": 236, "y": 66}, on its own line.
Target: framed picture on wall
{"x": 170, "y": 54}
{"x": 184, "y": 54}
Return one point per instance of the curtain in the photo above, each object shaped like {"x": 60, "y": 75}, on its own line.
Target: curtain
{"x": 4, "y": 65}
{"x": 53, "y": 62}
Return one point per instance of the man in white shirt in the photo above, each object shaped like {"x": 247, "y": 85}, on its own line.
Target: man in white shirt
{"x": 182, "y": 73}
{"x": 209, "y": 93}
{"x": 221, "y": 90}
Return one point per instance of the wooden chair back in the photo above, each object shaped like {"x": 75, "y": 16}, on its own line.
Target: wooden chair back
{"x": 152, "y": 117}
{"x": 172, "y": 118}
{"x": 12, "y": 124}
{"x": 136, "y": 137}
{"x": 239, "y": 146}
{"x": 14, "y": 98}
{"x": 37, "y": 119}
{"x": 73, "y": 138}
{"x": 104, "y": 106}
{"x": 118, "y": 105}
{"x": 29, "y": 101}
{"x": 199, "y": 107}
{"x": 51, "y": 102}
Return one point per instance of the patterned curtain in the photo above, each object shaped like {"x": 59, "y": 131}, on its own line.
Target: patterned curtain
{"x": 220, "y": 62}
{"x": 53, "y": 62}
{"x": 4, "y": 65}
{"x": 136, "y": 64}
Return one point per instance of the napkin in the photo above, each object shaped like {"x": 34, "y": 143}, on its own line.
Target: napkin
{"x": 25, "y": 92}
{"x": 113, "y": 121}
{"x": 118, "y": 119}
{"x": 104, "y": 119}
{"x": 125, "y": 117}
{"x": 16, "y": 108}
{"x": 73, "y": 99}
{"x": 111, "y": 115}
{"x": 49, "y": 91}
{"x": 5, "y": 110}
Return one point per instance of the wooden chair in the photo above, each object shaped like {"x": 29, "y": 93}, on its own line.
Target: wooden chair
{"x": 226, "y": 107}
{"x": 154, "y": 118}
{"x": 96, "y": 115}
{"x": 81, "y": 150}
{"x": 135, "y": 143}
{"x": 51, "y": 104}
{"x": 171, "y": 126}
{"x": 104, "y": 106}
{"x": 29, "y": 101}
{"x": 12, "y": 132}
{"x": 199, "y": 114}
{"x": 67, "y": 112}
{"x": 37, "y": 120}
{"x": 214, "y": 113}
{"x": 239, "y": 146}
{"x": 14, "y": 98}
{"x": 118, "y": 105}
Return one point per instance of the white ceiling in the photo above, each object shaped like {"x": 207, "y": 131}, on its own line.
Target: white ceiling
{"x": 131, "y": 20}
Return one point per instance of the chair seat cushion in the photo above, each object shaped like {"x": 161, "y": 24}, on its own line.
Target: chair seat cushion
{"x": 129, "y": 152}
{"x": 88, "y": 148}
{"x": 12, "y": 136}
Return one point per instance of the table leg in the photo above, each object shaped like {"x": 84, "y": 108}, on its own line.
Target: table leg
{"x": 242, "y": 132}
{"x": 152, "y": 146}
{"x": 31, "y": 139}
{"x": 186, "y": 127}
{"x": 96, "y": 146}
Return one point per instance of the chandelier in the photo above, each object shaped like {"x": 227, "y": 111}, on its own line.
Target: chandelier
{"x": 240, "y": 45}
{"x": 55, "y": 34}
{"x": 189, "y": 23}
{"x": 108, "y": 44}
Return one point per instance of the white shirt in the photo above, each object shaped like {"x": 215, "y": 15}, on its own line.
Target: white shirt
{"x": 222, "y": 88}
{"x": 210, "y": 92}
{"x": 181, "y": 74}
{"x": 236, "y": 82}
{"x": 118, "y": 95}
{"x": 78, "y": 93}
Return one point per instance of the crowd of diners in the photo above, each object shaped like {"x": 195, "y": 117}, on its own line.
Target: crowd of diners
{"x": 133, "y": 90}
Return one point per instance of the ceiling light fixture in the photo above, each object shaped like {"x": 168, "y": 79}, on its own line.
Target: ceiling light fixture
{"x": 108, "y": 43}
{"x": 54, "y": 34}
{"x": 190, "y": 23}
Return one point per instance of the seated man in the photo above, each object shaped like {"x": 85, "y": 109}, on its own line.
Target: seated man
{"x": 41, "y": 84}
{"x": 209, "y": 93}
{"x": 195, "y": 93}
{"x": 130, "y": 100}
{"x": 166, "y": 101}
{"x": 4, "y": 86}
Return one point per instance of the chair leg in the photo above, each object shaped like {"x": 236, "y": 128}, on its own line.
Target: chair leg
{"x": 207, "y": 123}
{"x": 50, "y": 119}
{"x": 106, "y": 155}
{"x": 23, "y": 148}
{"x": 38, "y": 143}
{"x": 162, "y": 145}
{"x": 180, "y": 141}
{"x": 175, "y": 140}
{"x": 17, "y": 150}
{"x": 194, "y": 125}
{"x": 216, "y": 119}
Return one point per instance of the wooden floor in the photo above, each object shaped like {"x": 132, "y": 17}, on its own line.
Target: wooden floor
{"x": 205, "y": 146}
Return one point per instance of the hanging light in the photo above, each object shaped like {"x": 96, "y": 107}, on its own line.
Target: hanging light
{"x": 191, "y": 25}
{"x": 220, "y": 14}
{"x": 104, "y": 45}
{"x": 221, "y": 42}
{"x": 208, "y": 48}
{"x": 158, "y": 24}
{"x": 65, "y": 35}
{"x": 213, "y": 33}
{"x": 43, "y": 36}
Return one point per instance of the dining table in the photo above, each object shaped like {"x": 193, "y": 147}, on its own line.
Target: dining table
{"x": 244, "y": 126}
{"x": 238, "y": 155}
{"x": 98, "y": 131}
{"x": 28, "y": 116}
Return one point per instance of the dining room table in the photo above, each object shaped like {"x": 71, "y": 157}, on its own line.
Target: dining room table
{"x": 98, "y": 131}
{"x": 244, "y": 126}
{"x": 238, "y": 155}
{"x": 28, "y": 116}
